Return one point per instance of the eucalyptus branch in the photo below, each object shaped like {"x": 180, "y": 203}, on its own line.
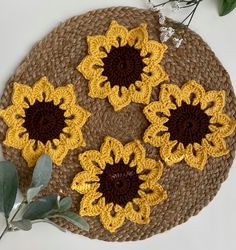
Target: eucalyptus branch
{"x": 21, "y": 206}
{"x": 5, "y": 229}
{"x": 34, "y": 210}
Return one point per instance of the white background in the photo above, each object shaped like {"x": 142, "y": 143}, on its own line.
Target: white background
{"x": 22, "y": 23}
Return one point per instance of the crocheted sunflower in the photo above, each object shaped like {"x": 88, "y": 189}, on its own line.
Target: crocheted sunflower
{"x": 118, "y": 183}
{"x": 188, "y": 124}
{"x": 44, "y": 119}
{"x": 123, "y": 65}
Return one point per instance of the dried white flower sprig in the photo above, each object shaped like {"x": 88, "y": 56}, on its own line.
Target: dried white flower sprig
{"x": 167, "y": 33}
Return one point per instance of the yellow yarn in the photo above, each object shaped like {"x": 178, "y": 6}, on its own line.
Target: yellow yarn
{"x": 18, "y": 137}
{"x": 93, "y": 203}
{"x": 118, "y": 36}
{"x": 195, "y": 155}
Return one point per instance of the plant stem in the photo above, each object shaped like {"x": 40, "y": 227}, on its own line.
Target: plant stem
{"x": 193, "y": 12}
{"x": 187, "y": 17}
{"x": 18, "y": 209}
{"x": 187, "y": 6}
{"x": 13, "y": 217}
{"x": 6, "y": 228}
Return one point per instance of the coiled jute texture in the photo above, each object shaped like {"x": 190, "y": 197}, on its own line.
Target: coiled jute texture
{"x": 57, "y": 57}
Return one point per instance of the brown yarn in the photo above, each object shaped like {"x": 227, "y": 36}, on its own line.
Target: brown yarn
{"x": 188, "y": 124}
{"x": 57, "y": 57}
{"x": 123, "y": 66}
{"x": 119, "y": 183}
{"x": 44, "y": 121}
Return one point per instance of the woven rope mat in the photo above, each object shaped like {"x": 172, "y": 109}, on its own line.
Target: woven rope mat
{"x": 57, "y": 57}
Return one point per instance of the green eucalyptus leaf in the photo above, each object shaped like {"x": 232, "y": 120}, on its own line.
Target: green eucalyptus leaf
{"x": 227, "y": 6}
{"x": 8, "y": 187}
{"x": 41, "y": 208}
{"x": 42, "y": 171}
{"x": 24, "y": 225}
{"x": 65, "y": 204}
{"x": 32, "y": 192}
{"x": 49, "y": 222}
{"x": 74, "y": 219}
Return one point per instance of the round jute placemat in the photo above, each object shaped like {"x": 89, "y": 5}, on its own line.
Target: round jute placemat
{"x": 57, "y": 57}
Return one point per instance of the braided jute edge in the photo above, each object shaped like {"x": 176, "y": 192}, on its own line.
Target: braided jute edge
{"x": 206, "y": 183}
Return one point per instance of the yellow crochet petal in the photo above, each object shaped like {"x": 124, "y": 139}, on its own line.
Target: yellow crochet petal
{"x": 152, "y": 111}
{"x": 98, "y": 46}
{"x": 170, "y": 96}
{"x": 218, "y": 100}
{"x": 140, "y": 92}
{"x": 153, "y": 136}
{"x": 137, "y": 37}
{"x": 21, "y": 93}
{"x": 111, "y": 147}
{"x": 155, "y": 193}
{"x": 192, "y": 93}
{"x": 31, "y": 154}
{"x": 85, "y": 182}
{"x": 95, "y": 203}
{"x": 156, "y": 51}
{"x": 16, "y": 137}
{"x": 112, "y": 222}
{"x": 92, "y": 204}
{"x": 117, "y": 35}
{"x": 43, "y": 91}
{"x": 99, "y": 87}
{"x": 222, "y": 124}
{"x": 77, "y": 116}
{"x": 154, "y": 167}
{"x": 89, "y": 67}
{"x": 168, "y": 153}
{"x": 92, "y": 161}
{"x": 57, "y": 152}
{"x": 43, "y": 88}
{"x": 154, "y": 74}
{"x": 135, "y": 151}
{"x": 159, "y": 122}
{"x": 73, "y": 137}
{"x": 215, "y": 145}
{"x": 197, "y": 159}
{"x": 192, "y": 88}
{"x": 119, "y": 100}
{"x": 10, "y": 114}
{"x": 142, "y": 215}
{"x": 65, "y": 96}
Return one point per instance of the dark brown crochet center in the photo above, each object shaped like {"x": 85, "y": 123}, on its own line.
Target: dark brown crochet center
{"x": 119, "y": 183}
{"x": 188, "y": 124}
{"x": 123, "y": 66}
{"x": 44, "y": 121}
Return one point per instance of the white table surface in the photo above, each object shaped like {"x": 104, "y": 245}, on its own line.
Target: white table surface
{"x": 22, "y": 23}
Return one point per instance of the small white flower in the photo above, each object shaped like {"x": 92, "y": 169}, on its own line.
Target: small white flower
{"x": 157, "y": 8}
{"x": 177, "y": 42}
{"x": 162, "y": 19}
{"x": 166, "y": 33}
{"x": 150, "y": 5}
{"x": 163, "y": 29}
{"x": 153, "y": 7}
{"x": 175, "y": 5}
{"x": 164, "y": 37}
{"x": 170, "y": 31}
